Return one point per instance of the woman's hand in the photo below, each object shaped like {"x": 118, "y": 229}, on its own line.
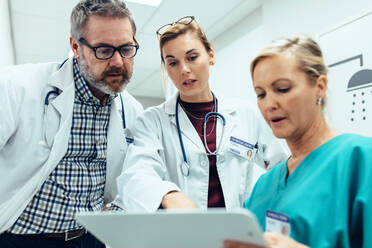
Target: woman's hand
{"x": 176, "y": 199}
{"x": 237, "y": 244}
{"x": 277, "y": 240}
{"x": 274, "y": 240}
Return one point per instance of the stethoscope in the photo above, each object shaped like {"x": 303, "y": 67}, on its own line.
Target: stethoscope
{"x": 185, "y": 167}
{"x": 55, "y": 92}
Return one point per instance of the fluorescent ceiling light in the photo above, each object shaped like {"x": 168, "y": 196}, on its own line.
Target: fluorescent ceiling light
{"x": 146, "y": 2}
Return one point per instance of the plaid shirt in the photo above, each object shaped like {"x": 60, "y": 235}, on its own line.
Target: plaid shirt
{"x": 77, "y": 183}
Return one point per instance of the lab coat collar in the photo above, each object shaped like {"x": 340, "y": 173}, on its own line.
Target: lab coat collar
{"x": 63, "y": 77}
{"x": 223, "y": 107}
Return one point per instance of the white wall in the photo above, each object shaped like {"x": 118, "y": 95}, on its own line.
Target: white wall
{"x": 348, "y": 49}
{"x": 7, "y": 54}
{"x": 275, "y": 18}
{"x": 282, "y": 18}
{"x": 230, "y": 74}
{"x": 289, "y": 17}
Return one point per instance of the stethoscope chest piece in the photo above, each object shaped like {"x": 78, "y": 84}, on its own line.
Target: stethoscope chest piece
{"x": 185, "y": 168}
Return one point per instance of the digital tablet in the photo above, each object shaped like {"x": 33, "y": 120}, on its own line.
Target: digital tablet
{"x": 172, "y": 229}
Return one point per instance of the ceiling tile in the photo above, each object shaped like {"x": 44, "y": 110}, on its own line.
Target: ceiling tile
{"x": 141, "y": 14}
{"x": 206, "y": 12}
{"x": 27, "y": 58}
{"x": 149, "y": 86}
{"x": 233, "y": 17}
{"x": 152, "y": 89}
{"x": 50, "y": 8}
{"x": 149, "y": 54}
{"x": 140, "y": 74}
{"x": 50, "y": 38}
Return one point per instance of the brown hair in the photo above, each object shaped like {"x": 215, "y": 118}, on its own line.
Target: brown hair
{"x": 178, "y": 29}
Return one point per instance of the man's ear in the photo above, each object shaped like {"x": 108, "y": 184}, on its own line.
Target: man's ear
{"x": 74, "y": 44}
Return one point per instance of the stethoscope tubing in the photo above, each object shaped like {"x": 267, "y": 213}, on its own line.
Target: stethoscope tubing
{"x": 214, "y": 113}
{"x": 56, "y": 92}
{"x": 206, "y": 118}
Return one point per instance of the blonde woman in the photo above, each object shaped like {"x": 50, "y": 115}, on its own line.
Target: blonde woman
{"x": 321, "y": 196}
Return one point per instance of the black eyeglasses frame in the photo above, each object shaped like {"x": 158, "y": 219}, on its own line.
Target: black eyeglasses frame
{"x": 118, "y": 48}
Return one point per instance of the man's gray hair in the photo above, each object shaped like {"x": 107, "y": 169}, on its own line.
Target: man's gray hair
{"x": 106, "y": 8}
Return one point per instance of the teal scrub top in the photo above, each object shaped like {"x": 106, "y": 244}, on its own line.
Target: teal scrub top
{"x": 328, "y": 197}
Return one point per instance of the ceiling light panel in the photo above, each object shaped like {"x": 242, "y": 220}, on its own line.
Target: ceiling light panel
{"x": 146, "y": 2}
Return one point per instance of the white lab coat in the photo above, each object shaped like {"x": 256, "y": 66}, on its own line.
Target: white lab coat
{"x": 30, "y": 150}
{"x": 152, "y": 166}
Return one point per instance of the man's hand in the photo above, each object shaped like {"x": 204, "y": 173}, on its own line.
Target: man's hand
{"x": 175, "y": 199}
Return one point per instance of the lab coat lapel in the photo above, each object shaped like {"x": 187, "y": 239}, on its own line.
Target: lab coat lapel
{"x": 116, "y": 149}
{"x": 187, "y": 129}
{"x": 63, "y": 104}
{"x": 227, "y": 111}
{"x": 229, "y": 127}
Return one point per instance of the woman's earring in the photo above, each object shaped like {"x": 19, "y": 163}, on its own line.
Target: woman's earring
{"x": 320, "y": 101}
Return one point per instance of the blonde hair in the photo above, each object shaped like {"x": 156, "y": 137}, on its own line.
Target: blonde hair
{"x": 306, "y": 51}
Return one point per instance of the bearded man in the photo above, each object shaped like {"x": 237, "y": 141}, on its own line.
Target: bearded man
{"x": 64, "y": 131}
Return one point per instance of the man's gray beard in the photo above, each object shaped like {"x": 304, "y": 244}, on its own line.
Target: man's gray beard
{"x": 98, "y": 84}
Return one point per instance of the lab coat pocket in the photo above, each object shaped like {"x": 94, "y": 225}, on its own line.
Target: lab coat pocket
{"x": 125, "y": 141}
{"x": 51, "y": 124}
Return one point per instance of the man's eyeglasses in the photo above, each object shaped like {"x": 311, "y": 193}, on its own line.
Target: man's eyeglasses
{"x": 184, "y": 20}
{"x": 104, "y": 52}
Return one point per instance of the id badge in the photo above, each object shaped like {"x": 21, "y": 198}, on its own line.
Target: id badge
{"x": 128, "y": 136}
{"x": 277, "y": 222}
{"x": 242, "y": 148}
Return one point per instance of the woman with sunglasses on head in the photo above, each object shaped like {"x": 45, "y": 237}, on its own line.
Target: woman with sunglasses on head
{"x": 198, "y": 149}
{"x": 321, "y": 196}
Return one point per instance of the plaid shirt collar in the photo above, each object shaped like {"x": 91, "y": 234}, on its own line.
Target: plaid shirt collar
{"x": 82, "y": 89}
